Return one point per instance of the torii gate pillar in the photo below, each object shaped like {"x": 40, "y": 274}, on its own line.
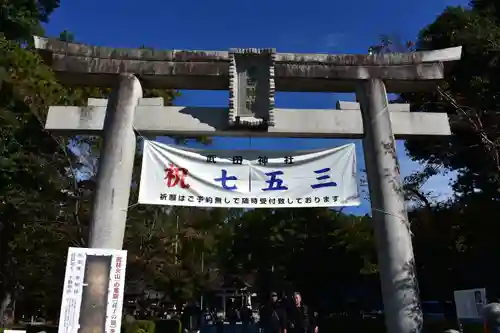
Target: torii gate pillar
{"x": 390, "y": 219}
{"x": 116, "y": 165}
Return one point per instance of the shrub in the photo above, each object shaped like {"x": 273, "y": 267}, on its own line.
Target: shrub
{"x": 140, "y": 326}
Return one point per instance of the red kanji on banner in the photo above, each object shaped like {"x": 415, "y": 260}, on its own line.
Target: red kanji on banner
{"x": 176, "y": 176}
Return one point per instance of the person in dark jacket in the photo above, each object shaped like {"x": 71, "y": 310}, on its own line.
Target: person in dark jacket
{"x": 191, "y": 318}
{"x": 246, "y": 317}
{"x": 300, "y": 319}
{"x": 232, "y": 314}
{"x": 273, "y": 316}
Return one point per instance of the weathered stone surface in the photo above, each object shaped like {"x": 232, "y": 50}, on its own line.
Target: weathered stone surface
{"x": 57, "y": 46}
{"x": 84, "y": 64}
{"x": 169, "y": 120}
{"x": 251, "y": 87}
{"x": 155, "y": 101}
{"x": 397, "y": 107}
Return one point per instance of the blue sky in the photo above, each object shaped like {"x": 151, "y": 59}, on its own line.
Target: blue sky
{"x": 289, "y": 26}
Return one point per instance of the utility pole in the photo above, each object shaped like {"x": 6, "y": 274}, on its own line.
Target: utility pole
{"x": 202, "y": 271}
{"x": 176, "y": 245}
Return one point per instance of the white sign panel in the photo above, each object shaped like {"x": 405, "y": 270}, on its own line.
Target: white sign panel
{"x": 248, "y": 178}
{"x": 470, "y": 303}
{"x": 74, "y": 284}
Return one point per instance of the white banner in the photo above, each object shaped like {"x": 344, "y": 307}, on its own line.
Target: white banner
{"x": 69, "y": 319}
{"x": 248, "y": 178}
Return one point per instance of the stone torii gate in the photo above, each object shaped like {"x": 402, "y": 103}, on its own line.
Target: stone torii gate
{"x": 252, "y": 76}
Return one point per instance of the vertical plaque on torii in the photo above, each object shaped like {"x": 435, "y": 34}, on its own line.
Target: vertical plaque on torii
{"x": 251, "y": 88}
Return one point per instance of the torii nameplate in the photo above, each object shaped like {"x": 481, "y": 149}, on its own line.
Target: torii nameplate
{"x": 251, "y": 88}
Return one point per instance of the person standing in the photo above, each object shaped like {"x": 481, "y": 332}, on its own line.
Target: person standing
{"x": 191, "y": 318}
{"x": 300, "y": 319}
{"x": 273, "y": 316}
{"x": 233, "y": 314}
{"x": 491, "y": 315}
{"x": 246, "y": 318}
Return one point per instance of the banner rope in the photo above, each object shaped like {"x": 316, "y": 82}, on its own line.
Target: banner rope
{"x": 136, "y": 132}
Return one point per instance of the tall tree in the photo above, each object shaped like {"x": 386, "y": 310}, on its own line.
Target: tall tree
{"x": 46, "y": 182}
{"x": 324, "y": 254}
{"x": 470, "y": 94}
{"x": 35, "y": 176}
{"x": 20, "y": 19}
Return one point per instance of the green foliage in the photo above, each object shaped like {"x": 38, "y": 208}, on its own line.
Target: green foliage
{"x": 168, "y": 251}
{"x": 140, "y": 326}
{"x": 66, "y": 36}
{"x": 471, "y": 95}
{"x": 20, "y": 19}
{"x": 32, "y": 179}
{"x": 461, "y": 232}
{"x": 279, "y": 246}
{"x": 34, "y": 171}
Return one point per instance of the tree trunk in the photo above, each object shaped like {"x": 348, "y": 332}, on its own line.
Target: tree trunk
{"x": 6, "y": 300}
